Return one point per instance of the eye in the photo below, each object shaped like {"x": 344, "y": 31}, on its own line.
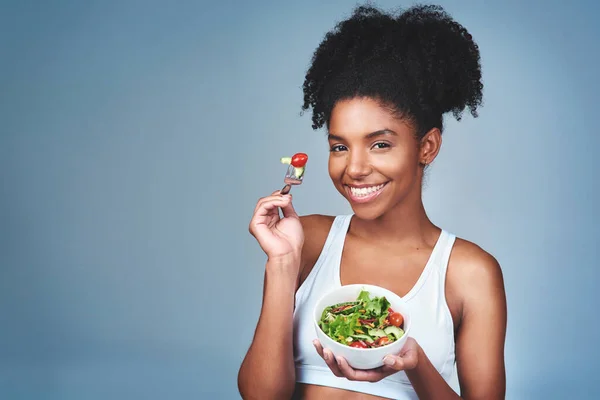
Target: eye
{"x": 381, "y": 145}
{"x": 337, "y": 148}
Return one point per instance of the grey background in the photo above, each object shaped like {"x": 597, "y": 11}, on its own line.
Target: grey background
{"x": 136, "y": 137}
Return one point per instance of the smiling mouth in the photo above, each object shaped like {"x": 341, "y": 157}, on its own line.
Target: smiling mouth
{"x": 364, "y": 194}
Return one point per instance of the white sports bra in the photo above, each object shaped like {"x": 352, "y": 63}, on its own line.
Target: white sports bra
{"x": 432, "y": 325}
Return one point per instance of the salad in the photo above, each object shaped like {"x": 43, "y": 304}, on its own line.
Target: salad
{"x": 364, "y": 323}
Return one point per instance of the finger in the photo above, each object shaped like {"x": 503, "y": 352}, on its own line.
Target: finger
{"x": 324, "y": 355}
{"x": 277, "y": 193}
{"x": 345, "y": 368}
{"x": 265, "y": 214}
{"x": 406, "y": 359}
{"x": 369, "y": 375}
{"x": 319, "y": 348}
{"x": 266, "y": 199}
{"x": 262, "y": 200}
{"x": 331, "y": 363}
{"x": 288, "y": 210}
{"x": 394, "y": 363}
{"x": 349, "y": 372}
{"x": 329, "y": 359}
{"x": 268, "y": 204}
{"x": 322, "y": 352}
{"x": 410, "y": 359}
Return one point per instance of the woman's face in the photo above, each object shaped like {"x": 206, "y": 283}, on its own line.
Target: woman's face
{"x": 375, "y": 158}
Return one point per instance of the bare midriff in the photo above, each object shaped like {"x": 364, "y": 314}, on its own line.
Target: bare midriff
{"x": 316, "y": 392}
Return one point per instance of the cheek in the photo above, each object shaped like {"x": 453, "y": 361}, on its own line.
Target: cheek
{"x": 335, "y": 166}
{"x": 396, "y": 166}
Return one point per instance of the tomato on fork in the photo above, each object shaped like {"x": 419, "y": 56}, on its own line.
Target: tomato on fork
{"x": 299, "y": 160}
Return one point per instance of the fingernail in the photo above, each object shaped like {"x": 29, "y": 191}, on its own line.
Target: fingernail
{"x": 389, "y": 361}
{"x": 339, "y": 361}
{"x": 326, "y": 355}
{"x": 315, "y": 343}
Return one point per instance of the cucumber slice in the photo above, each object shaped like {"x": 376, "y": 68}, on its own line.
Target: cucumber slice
{"x": 377, "y": 332}
{"x": 363, "y": 337}
{"x": 393, "y": 330}
{"x": 286, "y": 160}
{"x": 299, "y": 172}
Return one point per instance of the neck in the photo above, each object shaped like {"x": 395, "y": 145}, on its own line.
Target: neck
{"x": 406, "y": 223}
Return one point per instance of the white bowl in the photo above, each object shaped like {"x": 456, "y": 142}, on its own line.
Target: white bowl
{"x": 361, "y": 358}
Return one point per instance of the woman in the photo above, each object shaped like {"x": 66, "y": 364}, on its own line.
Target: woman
{"x": 381, "y": 83}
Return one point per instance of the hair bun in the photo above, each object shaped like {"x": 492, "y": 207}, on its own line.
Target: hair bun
{"x": 448, "y": 57}
{"x": 420, "y": 62}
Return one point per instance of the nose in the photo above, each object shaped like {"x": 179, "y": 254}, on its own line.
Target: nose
{"x": 358, "y": 165}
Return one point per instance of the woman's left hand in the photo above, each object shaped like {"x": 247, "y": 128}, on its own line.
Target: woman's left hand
{"x": 405, "y": 360}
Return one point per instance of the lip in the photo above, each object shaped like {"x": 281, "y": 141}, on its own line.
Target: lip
{"x": 363, "y": 199}
{"x": 364, "y": 185}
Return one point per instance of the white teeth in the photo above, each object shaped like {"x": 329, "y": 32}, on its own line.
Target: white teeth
{"x": 365, "y": 191}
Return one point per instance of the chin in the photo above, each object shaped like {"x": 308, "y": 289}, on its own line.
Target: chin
{"x": 370, "y": 210}
{"x": 368, "y": 213}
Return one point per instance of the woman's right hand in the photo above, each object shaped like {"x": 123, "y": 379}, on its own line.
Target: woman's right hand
{"x": 280, "y": 238}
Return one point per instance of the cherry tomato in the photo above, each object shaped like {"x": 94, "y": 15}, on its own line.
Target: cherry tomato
{"x": 383, "y": 340}
{"x": 396, "y": 319}
{"x": 299, "y": 160}
{"x": 358, "y": 344}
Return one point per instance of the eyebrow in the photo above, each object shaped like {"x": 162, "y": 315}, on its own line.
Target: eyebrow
{"x": 371, "y": 135}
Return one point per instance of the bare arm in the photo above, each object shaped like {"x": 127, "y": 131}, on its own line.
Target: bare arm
{"x": 270, "y": 356}
{"x": 479, "y": 342}
{"x": 268, "y": 370}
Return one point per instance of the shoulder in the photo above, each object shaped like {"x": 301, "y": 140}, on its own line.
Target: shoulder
{"x": 474, "y": 263}
{"x": 475, "y": 274}
{"x": 316, "y": 229}
{"x": 317, "y": 222}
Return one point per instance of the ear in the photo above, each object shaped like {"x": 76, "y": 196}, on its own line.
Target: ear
{"x": 430, "y": 146}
